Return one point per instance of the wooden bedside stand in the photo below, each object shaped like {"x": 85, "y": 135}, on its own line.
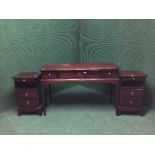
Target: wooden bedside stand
{"x": 27, "y": 86}
{"x": 131, "y": 92}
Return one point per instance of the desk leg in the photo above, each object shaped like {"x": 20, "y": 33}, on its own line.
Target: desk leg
{"x": 111, "y": 93}
{"x": 117, "y": 99}
{"x": 43, "y": 98}
{"x": 50, "y": 93}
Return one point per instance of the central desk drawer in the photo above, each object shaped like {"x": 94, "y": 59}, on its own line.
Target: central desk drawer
{"x": 73, "y": 74}
{"x": 109, "y": 74}
{"x": 50, "y": 75}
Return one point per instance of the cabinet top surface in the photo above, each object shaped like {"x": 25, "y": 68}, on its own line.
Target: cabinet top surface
{"x": 62, "y": 67}
{"x": 27, "y": 75}
{"x": 132, "y": 73}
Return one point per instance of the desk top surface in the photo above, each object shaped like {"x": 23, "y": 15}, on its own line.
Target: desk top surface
{"x": 63, "y": 67}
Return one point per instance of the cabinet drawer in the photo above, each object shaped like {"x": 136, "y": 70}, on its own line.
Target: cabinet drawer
{"x": 25, "y": 80}
{"x": 28, "y": 102}
{"x": 131, "y": 97}
{"x": 73, "y": 74}
{"x": 132, "y": 78}
{"x": 27, "y": 93}
{"x": 50, "y": 75}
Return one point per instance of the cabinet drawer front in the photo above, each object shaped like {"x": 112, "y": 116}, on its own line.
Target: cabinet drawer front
{"x": 73, "y": 74}
{"x": 132, "y": 78}
{"x": 28, "y": 103}
{"x": 25, "y": 80}
{"x": 79, "y": 74}
{"x": 69, "y": 75}
{"x": 131, "y": 97}
{"x": 50, "y": 75}
{"x": 27, "y": 93}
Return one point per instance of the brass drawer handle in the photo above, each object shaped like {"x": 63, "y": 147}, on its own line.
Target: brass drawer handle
{"x": 49, "y": 74}
{"x": 84, "y": 72}
{"x": 109, "y": 73}
{"x": 24, "y": 80}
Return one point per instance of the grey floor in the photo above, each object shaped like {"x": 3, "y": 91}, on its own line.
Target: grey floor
{"x": 77, "y": 110}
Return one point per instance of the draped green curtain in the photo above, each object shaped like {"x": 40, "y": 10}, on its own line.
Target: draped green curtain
{"x": 27, "y": 45}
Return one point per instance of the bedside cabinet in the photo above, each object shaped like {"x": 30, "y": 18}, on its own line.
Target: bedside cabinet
{"x": 27, "y": 87}
{"x": 132, "y": 85}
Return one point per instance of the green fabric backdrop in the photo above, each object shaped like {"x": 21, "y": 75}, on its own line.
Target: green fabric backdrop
{"x": 27, "y": 45}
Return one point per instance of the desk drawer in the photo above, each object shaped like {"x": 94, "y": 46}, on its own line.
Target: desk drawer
{"x": 25, "y": 80}
{"x": 132, "y": 79}
{"x": 79, "y": 74}
{"x": 131, "y": 97}
{"x": 73, "y": 74}
{"x": 93, "y": 74}
{"x": 50, "y": 75}
{"x": 28, "y": 103}
{"x": 27, "y": 93}
{"x": 109, "y": 74}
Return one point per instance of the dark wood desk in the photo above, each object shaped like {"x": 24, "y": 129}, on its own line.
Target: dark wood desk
{"x": 65, "y": 73}
{"x": 129, "y": 92}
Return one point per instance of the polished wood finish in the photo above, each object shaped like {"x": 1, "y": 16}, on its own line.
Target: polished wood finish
{"x": 65, "y": 73}
{"x": 27, "y": 85}
{"x": 132, "y": 88}
{"x": 79, "y": 67}
{"x": 127, "y": 87}
{"x": 79, "y": 71}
